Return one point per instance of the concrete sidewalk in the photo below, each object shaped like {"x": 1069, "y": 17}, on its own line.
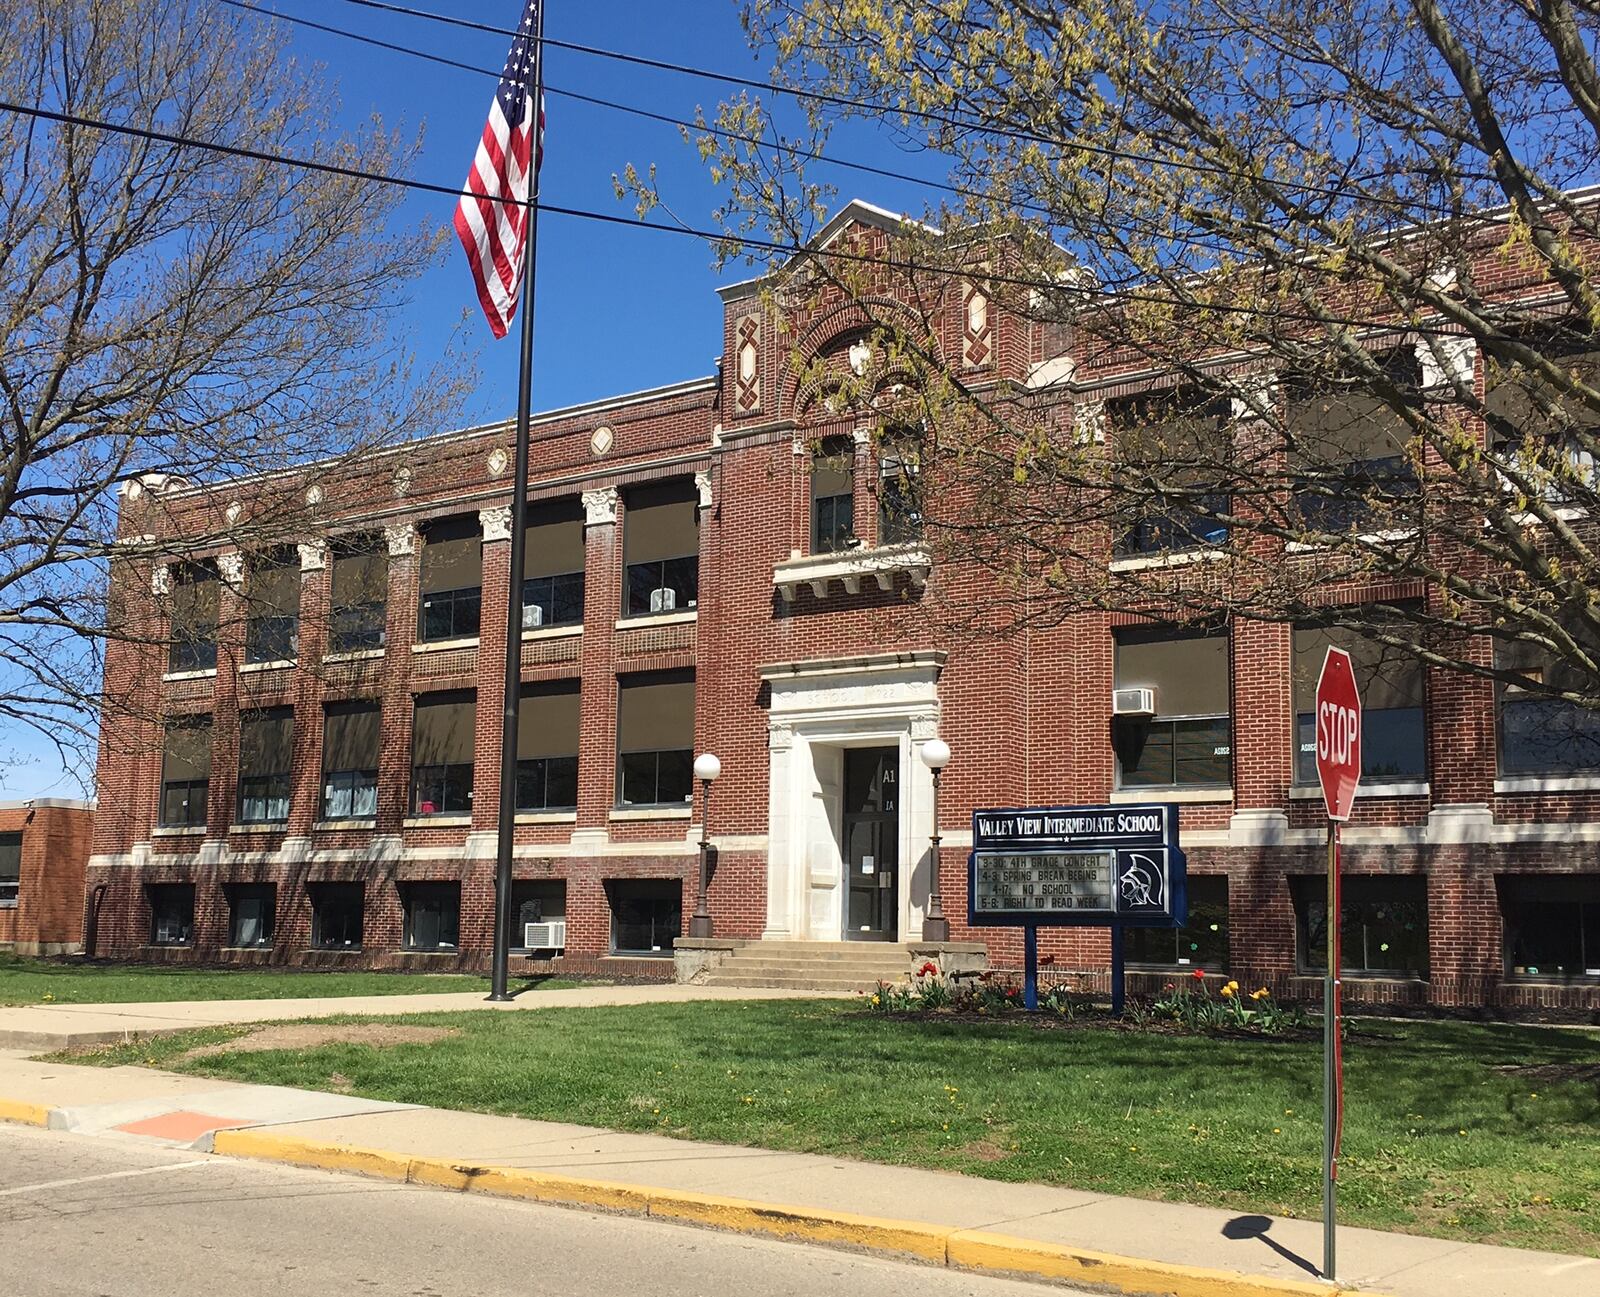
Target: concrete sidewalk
{"x": 42, "y": 1027}
{"x": 1125, "y": 1244}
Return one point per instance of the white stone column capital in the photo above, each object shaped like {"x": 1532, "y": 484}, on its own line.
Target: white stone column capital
{"x": 313, "y": 556}
{"x": 401, "y": 539}
{"x": 230, "y": 567}
{"x": 161, "y": 578}
{"x": 702, "y": 484}
{"x": 495, "y": 522}
{"x": 600, "y": 506}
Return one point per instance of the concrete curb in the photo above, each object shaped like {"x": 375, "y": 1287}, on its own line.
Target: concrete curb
{"x": 24, "y": 1114}
{"x": 942, "y": 1245}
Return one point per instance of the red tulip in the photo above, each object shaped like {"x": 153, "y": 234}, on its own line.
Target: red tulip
{"x": 1199, "y": 974}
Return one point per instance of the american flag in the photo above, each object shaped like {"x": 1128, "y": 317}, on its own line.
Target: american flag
{"x": 490, "y": 219}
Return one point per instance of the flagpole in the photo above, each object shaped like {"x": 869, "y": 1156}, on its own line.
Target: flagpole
{"x": 519, "y": 527}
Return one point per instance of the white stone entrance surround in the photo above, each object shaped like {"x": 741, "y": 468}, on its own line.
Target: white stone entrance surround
{"x": 818, "y": 709}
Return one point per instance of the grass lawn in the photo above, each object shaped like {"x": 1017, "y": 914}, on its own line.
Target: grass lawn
{"x": 36, "y": 981}
{"x": 1464, "y": 1131}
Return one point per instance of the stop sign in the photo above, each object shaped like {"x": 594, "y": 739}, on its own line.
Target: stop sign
{"x": 1338, "y": 721}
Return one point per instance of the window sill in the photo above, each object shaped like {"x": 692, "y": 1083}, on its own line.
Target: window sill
{"x": 353, "y": 655}
{"x": 269, "y": 826}
{"x": 169, "y": 945}
{"x": 434, "y": 952}
{"x": 436, "y": 822}
{"x": 209, "y": 673}
{"x": 643, "y": 620}
{"x": 1141, "y": 562}
{"x": 1122, "y": 795}
{"x": 547, "y": 817}
{"x": 9, "y": 905}
{"x": 277, "y": 664}
{"x": 246, "y": 950}
{"x": 344, "y": 826}
{"x": 1589, "y": 978}
{"x": 1549, "y": 784}
{"x": 445, "y": 645}
{"x": 849, "y": 567}
{"x": 333, "y": 950}
{"x": 1363, "y": 538}
{"x": 651, "y": 812}
{"x": 552, "y": 632}
{"x": 1396, "y": 978}
{"x": 178, "y": 831}
{"x": 1399, "y": 788}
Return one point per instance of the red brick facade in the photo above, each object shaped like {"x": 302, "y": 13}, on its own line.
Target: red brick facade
{"x": 797, "y": 658}
{"x": 50, "y": 837}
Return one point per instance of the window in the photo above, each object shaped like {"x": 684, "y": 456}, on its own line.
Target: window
{"x": 1201, "y": 943}
{"x": 534, "y": 902}
{"x": 1390, "y": 682}
{"x": 350, "y": 736}
{"x": 552, "y": 566}
{"x": 266, "y": 755}
{"x": 433, "y": 914}
{"x": 899, "y": 489}
{"x": 832, "y": 499}
{"x": 185, "y": 772}
{"x": 1383, "y": 928}
{"x": 1540, "y": 735}
{"x": 336, "y": 911}
{"x": 1171, "y": 448}
{"x": 452, "y": 579}
{"x": 547, "y": 747}
{"x": 1187, "y": 742}
{"x": 10, "y": 867}
{"x": 359, "y": 617}
{"x": 171, "y": 914}
{"x": 661, "y": 549}
{"x": 1542, "y": 436}
{"x": 442, "y": 754}
{"x": 1552, "y": 925}
{"x": 655, "y": 739}
{"x": 1348, "y": 449}
{"x": 272, "y": 626}
{"x": 252, "y": 907}
{"x": 646, "y": 914}
{"x": 194, "y": 618}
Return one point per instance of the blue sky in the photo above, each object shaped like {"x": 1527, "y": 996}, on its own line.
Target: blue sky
{"x": 618, "y": 309}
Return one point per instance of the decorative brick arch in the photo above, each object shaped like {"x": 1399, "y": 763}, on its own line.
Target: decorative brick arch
{"x": 833, "y": 327}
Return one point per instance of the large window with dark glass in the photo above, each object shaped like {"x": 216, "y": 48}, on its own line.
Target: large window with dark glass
{"x": 451, "y": 579}
{"x": 1541, "y": 735}
{"x": 661, "y": 549}
{"x": 1383, "y": 927}
{"x": 358, "y": 619}
{"x": 655, "y": 739}
{"x": 833, "y": 475}
{"x": 1544, "y": 438}
{"x": 900, "y": 487}
{"x": 646, "y": 914}
{"x": 10, "y": 867}
{"x": 171, "y": 914}
{"x": 432, "y": 915}
{"x": 1171, "y": 449}
{"x": 1552, "y": 925}
{"x": 350, "y": 737}
{"x": 1202, "y": 942}
{"x": 442, "y": 753}
{"x": 185, "y": 771}
{"x": 1185, "y": 739}
{"x": 547, "y": 747}
{"x": 1390, "y": 682}
{"x": 272, "y": 602}
{"x": 252, "y": 911}
{"x": 266, "y": 755}
{"x": 552, "y": 559}
{"x": 535, "y": 901}
{"x": 193, "y": 645}
{"x": 336, "y": 914}
{"x": 1349, "y": 448}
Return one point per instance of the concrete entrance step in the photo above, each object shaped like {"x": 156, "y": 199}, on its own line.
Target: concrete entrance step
{"x": 792, "y": 982}
{"x": 813, "y": 968}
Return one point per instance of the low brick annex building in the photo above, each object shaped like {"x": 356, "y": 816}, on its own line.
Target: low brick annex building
{"x": 729, "y": 565}
{"x": 44, "y": 849}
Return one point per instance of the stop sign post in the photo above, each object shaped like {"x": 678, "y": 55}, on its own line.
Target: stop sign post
{"x": 1337, "y": 722}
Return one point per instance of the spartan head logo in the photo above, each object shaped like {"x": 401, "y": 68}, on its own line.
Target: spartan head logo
{"x": 1141, "y": 883}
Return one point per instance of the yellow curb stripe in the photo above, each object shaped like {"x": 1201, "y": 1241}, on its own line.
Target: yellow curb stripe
{"x": 24, "y": 1114}
{"x": 941, "y": 1245}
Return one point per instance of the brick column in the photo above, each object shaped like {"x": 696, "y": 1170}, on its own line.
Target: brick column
{"x": 305, "y": 776}
{"x": 597, "y": 720}
{"x": 394, "y": 750}
{"x": 494, "y": 624}
{"x": 1263, "y": 714}
{"x": 224, "y": 791}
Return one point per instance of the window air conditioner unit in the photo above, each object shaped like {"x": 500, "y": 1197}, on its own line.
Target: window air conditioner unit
{"x": 550, "y": 935}
{"x": 1133, "y": 702}
{"x": 532, "y": 616}
{"x": 663, "y": 599}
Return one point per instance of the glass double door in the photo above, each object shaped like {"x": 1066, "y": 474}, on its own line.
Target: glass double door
{"x": 871, "y": 831}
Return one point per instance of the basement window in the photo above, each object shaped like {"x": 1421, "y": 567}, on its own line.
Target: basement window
{"x": 252, "y": 909}
{"x": 171, "y": 914}
{"x": 336, "y": 915}
{"x": 1202, "y": 942}
{"x": 1383, "y": 928}
{"x": 1552, "y": 926}
{"x": 432, "y": 915}
{"x": 646, "y": 915}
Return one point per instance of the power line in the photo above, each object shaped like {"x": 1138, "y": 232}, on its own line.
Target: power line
{"x": 708, "y": 236}
{"x": 579, "y": 97}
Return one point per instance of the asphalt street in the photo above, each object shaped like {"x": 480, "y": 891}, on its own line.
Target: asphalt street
{"x": 100, "y": 1217}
